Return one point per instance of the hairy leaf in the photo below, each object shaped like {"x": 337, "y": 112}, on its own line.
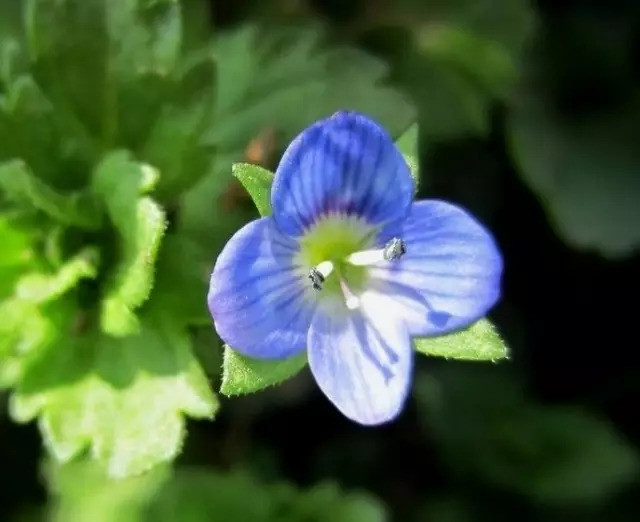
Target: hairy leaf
{"x": 140, "y": 222}
{"x": 242, "y": 375}
{"x": 478, "y": 342}
{"x": 124, "y": 399}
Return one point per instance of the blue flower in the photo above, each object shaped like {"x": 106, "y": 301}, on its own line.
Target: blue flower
{"x": 349, "y": 268}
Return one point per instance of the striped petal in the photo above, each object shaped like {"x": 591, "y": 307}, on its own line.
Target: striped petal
{"x": 450, "y": 275}
{"x": 362, "y": 360}
{"x": 261, "y": 305}
{"x": 346, "y": 164}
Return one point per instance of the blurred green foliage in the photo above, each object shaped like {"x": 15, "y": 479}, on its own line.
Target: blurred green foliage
{"x": 81, "y": 493}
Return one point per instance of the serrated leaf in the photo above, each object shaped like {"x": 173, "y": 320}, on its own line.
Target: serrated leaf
{"x": 124, "y": 399}
{"x": 39, "y": 288}
{"x": 478, "y": 342}
{"x": 242, "y": 375}
{"x": 22, "y": 187}
{"x": 577, "y": 169}
{"x": 408, "y": 145}
{"x": 140, "y": 222}
{"x": 257, "y": 181}
{"x": 30, "y": 320}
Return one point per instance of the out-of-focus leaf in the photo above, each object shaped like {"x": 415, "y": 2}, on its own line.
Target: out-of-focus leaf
{"x": 463, "y": 56}
{"x": 81, "y": 492}
{"x": 68, "y": 45}
{"x": 289, "y": 74}
{"x": 182, "y": 276}
{"x": 41, "y": 288}
{"x": 140, "y": 222}
{"x": 488, "y": 62}
{"x": 173, "y": 146}
{"x": 124, "y": 399}
{"x": 327, "y": 502}
{"x": 20, "y": 185}
{"x": 32, "y": 129}
{"x": 100, "y": 60}
{"x": 242, "y": 375}
{"x": 195, "y": 496}
{"x": 408, "y": 145}
{"x": 257, "y": 181}
{"x": 584, "y": 172}
{"x": 17, "y": 253}
{"x": 478, "y": 342}
{"x": 489, "y": 431}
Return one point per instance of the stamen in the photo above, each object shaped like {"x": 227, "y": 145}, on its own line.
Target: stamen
{"x": 351, "y": 300}
{"x": 394, "y": 249}
{"x": 319, "y": 273}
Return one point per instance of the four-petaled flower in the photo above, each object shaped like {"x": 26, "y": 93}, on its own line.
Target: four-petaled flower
{"x": 350, "y": 269}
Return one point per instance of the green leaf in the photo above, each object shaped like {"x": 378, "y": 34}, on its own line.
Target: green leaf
{"x": 140, "y": 223}
{"x": 80, "y": 491}
{"x": 54, "y": 146}
{"x": 577, "y": 169}
{"x": 68, "y": 46}
{"x": 478, "y": 342}
{"x": 106, "y": 64}
{"x": 122, "y": 398}
{"x": 32, "y": 317}
{"x": 21, "y": 186}
{"x": 257, "y": 181}
{"x": 17, "y": 253}
{"x": 488, "y": 62}
{"x": 41, "y": 288}
{"x": 408, "y": 145}
{"x": 242, "y": 375}
{"x": 199, "y": 496}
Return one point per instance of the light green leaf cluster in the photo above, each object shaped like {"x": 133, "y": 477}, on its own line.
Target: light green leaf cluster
{"x": 101, "y": 109}
{"x": 123, "y": 399}
{"x": 118, "y": 129}
{"x": 193, "y": 495}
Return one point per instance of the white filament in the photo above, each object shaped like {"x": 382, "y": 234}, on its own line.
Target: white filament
{"x": 366, "y": 257}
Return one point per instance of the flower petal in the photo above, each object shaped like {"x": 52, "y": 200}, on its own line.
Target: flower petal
{"x": 450, "y": 275}
{"x": 362, "y": 360}
{"x": 344, "y": 164}
{"x": 261, "y": 305}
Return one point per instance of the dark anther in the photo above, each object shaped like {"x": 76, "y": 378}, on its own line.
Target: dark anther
{"x": 316, "y": 278}
{"x": 394, "y": 249}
